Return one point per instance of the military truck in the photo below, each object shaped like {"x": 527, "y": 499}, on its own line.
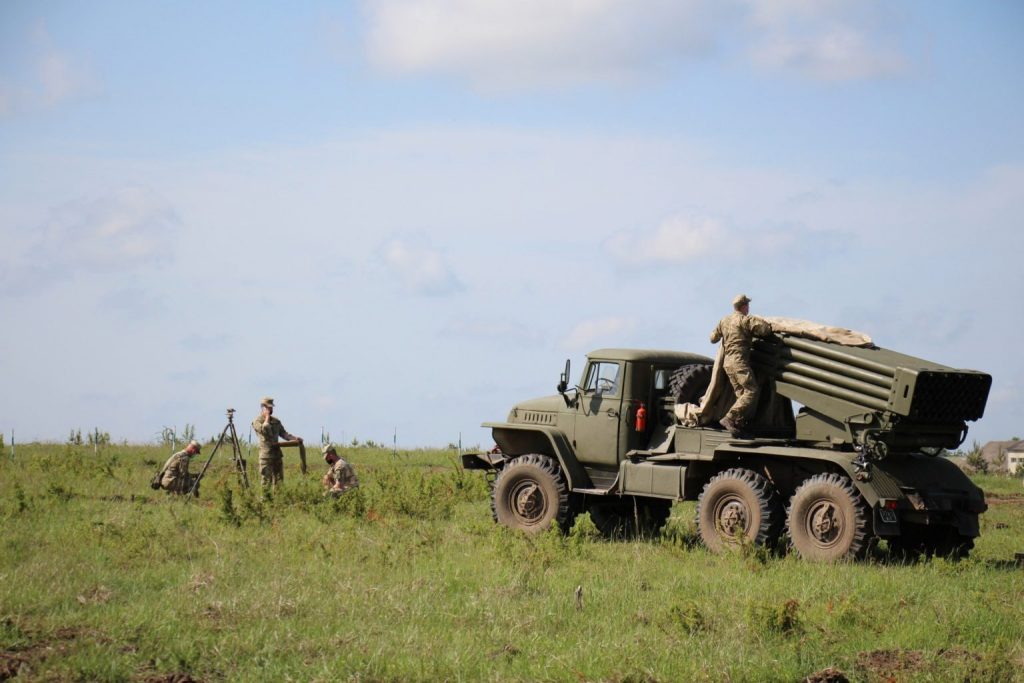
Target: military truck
{"x": 857, "y": 461}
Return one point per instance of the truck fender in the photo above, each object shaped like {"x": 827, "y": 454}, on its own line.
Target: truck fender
{"x": 515, "y": 440}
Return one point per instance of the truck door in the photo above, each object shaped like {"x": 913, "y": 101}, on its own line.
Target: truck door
{"x": 599, "y": 414}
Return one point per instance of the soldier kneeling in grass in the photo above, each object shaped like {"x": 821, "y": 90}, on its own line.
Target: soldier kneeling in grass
{"x": 340, "y": 477}
{"x": 175, "y": 477}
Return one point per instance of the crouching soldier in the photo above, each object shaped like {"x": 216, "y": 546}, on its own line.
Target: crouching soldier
{"x": 340, "y": 477}
{"x": 175, "y": 477}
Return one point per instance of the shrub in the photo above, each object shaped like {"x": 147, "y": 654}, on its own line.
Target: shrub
{"x": 689, "y": 618}
{"x": 781, "y": 619}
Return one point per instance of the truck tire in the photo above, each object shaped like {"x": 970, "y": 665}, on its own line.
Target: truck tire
{"x": 917, "y": 540}
{"x": 688, "y": 383}
{"x": 828, "y": 520}
{"x": 630, "y": 517}
{"x": 738, "y": 506}
{"x": 530, "y": 493}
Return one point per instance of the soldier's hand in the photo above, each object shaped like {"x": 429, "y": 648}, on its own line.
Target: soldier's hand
{"x": 299, "y": 439}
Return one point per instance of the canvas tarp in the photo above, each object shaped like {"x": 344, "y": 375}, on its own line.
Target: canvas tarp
{"x": 719, "y": 396}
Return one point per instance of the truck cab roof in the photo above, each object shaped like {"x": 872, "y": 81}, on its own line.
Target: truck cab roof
{"x": 649, "y": 355}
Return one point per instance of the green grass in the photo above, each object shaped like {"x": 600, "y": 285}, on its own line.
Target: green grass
{"x": 103, "y": 579}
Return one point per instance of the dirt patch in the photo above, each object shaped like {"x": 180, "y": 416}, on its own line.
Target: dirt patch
{"x": 829, "y": 675}
{"x": 11, "y": 663}
{"x": 888, "y": 664}
{"x": 19, "y": 660}
{"x": 1005, "y": 498}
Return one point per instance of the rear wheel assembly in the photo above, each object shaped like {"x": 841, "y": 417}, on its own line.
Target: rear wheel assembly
{"x": 828, "y": 519}
{"x": 738, "y": 506}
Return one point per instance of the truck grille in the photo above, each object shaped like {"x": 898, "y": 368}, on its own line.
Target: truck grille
{"x": 538, "y": 418}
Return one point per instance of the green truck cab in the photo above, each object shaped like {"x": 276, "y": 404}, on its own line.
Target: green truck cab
{"x": 856, "y": 462}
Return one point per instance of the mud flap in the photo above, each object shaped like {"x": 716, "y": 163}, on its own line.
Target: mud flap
{"x": 967, "y": 525}
{"x": 885, "y": 522}
{"x": 483, "y": 461}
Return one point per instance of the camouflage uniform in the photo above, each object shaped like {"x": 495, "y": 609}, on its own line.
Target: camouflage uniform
{"x": 737, "y": 330}
{"x": 340, "y": 477}
{"x": 176, "y": 477}
{"x": 271, "y": 457}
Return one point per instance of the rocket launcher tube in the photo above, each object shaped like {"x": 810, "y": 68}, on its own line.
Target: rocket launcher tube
{"x": 834, "y": 391}
{"x": 838, "y": 380}
{"x": 916, "y": 402}
{"x": 839, "y": 353}
{"x": 884, "y": 381}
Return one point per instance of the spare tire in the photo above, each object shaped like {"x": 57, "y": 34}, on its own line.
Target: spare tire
{"x": 688, "y": 383}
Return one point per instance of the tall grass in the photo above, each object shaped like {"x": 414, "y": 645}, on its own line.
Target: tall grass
{"x": 407, "y": 579}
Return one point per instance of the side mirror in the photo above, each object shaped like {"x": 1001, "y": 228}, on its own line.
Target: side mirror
{"x": 563, "y": 380}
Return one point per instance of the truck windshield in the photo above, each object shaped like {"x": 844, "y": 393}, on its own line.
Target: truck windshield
{"x": 603, "y": 378}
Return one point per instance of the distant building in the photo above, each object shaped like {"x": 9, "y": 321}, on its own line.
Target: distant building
{"x": 1015, "y": 458}
{"x": 1004, "y": 456}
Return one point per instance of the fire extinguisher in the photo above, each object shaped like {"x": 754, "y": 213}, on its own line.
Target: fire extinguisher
{"x": 641, "y": 418}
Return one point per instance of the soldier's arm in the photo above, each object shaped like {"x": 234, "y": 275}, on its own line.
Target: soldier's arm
{"x": 716, "y": 334}
{"x": 259, "y": 426}
{"x": 285, "y": 435}
{"x": 759, "y": 327}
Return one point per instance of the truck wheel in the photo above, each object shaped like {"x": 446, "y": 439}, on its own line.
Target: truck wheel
{"x": 630, "y": 517}
{"x": 738, "y": 506}
{"x": 828, "y": 520}
{"x": 931, "y": 541}
{"x": 530, "y": 493}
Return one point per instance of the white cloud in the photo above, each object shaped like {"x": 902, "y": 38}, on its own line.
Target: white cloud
{"x": 535, "y": 42}
{"x": 530, "y": 43}
{"x": 677, "y": 240}
{"x": 129, "y": 227}
{"x": 421, "y": 269}
{"x": 683, "y": 239}
{"x": 123, "y": 230}
{"x": 590, "y": 334}
{"x": 49, "y": 77}
{"x": 824, "y": 40}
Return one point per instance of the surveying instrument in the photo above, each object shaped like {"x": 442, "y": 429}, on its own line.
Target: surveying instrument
{"x": 236, "y": 454}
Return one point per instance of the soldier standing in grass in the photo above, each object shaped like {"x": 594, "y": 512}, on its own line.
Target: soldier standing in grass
{"x": 737, "y": 331}
{"x": 340, "y": 477}
{"x": 269, "y": 430}
{"x": 175, "y": 477}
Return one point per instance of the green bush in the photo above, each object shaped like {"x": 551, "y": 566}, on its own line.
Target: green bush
{"x": 775, "y": 618}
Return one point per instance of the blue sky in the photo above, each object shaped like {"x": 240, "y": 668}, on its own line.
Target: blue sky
{"x": 404, "y": 215}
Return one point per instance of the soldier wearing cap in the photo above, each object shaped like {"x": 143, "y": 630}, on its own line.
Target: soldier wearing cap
{"x": 736, "y": 332}
{"x": 340, "y": 477}
{"x": 175, "y": 477}
{"x": 269, "y": 430}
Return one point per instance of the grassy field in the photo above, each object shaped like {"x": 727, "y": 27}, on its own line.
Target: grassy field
{"x": 407, "y": 579}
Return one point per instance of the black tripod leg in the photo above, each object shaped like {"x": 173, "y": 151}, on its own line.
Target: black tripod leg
{"x": 195, "y": 484}
{"x": 236, "y": 449}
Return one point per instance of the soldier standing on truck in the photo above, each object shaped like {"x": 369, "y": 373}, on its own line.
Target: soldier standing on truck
{"x": 340, "y": 477}
{"x": 737, "y": 331}
{"x": 269, "y": 429}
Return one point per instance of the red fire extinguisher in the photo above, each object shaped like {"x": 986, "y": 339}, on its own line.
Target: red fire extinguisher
{"x": 641, "y": 418}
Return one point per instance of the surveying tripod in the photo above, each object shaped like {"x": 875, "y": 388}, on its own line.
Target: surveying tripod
{"x": 236, "y": 454}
